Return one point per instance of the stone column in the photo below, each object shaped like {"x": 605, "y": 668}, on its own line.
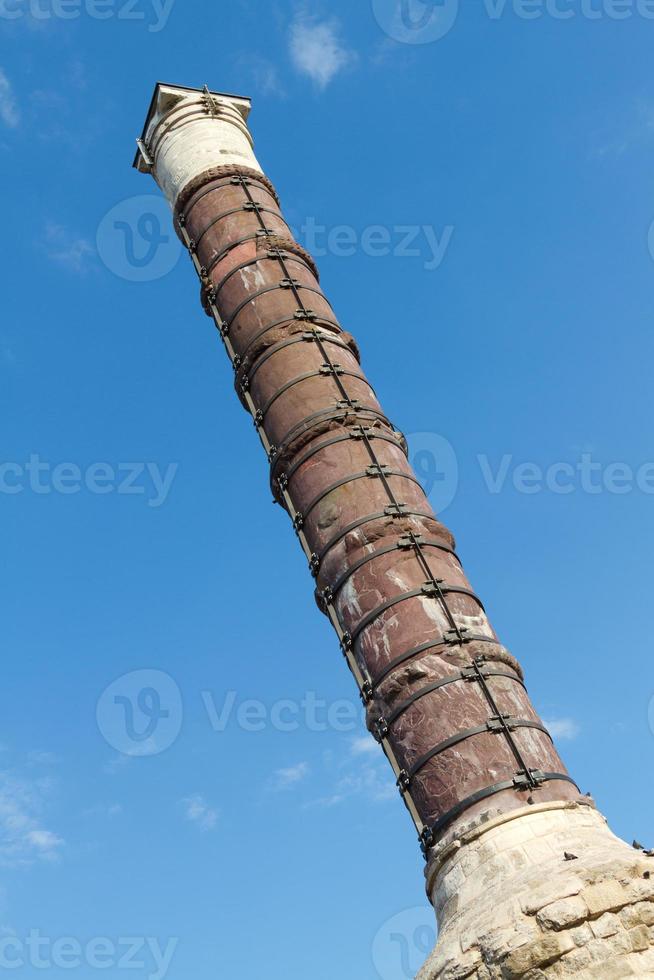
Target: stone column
{"x": 526, "y": 879}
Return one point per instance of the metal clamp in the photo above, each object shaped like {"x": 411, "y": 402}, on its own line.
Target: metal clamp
{"x": 367, "y": 692}
{"x": 404, "y": 781}
{"x": 396, "y": 510}
{"x": 380, "y": 730}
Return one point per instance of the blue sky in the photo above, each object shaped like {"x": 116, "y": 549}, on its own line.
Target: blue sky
{"x": 477, "y": 182}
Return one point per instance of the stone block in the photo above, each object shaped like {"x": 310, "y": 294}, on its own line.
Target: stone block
{"x": 460, "y": 972}
{"x": 605, "y": 896}
{"x": 604, "y": 950}
{"x": 581, "y": 934}
{"x": 578, "y": 959}
{"x": 538, "y": 850}
{"x": 607, "y": 925}
{"x": 539, "y": 954}
{"x": 549, "y": 891}
{"x": 643, "y": 890}
{"x": 563, "y": 914}
{"x": 642, "y": 913}
{"x": 639, "y": 938}
{"x": 616, "y": 970}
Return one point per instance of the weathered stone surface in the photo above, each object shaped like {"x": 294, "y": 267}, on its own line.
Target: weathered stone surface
{"x": 642, "y": 913}
{"x": 582, "y": 934}
{"x": 541, "y": 953}
{"x": 607, "y": 925}
{"x": 563, "y": 914}
{"x": 639, "y": 938}
{"x": 548, "y": 918}
{"x": 606, "y": 896}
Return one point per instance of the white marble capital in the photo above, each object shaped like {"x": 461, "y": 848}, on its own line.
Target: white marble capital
{"x": 191, "y": 131}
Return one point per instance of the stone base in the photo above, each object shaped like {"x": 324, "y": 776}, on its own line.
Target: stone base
{"x": 543, "y": 892}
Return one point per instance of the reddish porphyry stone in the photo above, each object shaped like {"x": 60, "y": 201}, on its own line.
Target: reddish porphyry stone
{"x": 314, "y": 398}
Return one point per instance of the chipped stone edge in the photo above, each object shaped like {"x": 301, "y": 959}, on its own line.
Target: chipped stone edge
{"x": 444, "y": 850}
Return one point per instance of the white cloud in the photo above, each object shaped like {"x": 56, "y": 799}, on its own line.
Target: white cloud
{"x": 635, "y": 131}
{"x": 23, "y": 839}
{"x": 66, "y": 248}
{"x": 39, "y": 758}
{"x": 104, "y": 810}
{"x": 44, "y": 842}
{"x": 317, "y": 51}
{"x": 563, "y": 728}
{"x": 197, "y": 811}
{"x": 374, "y": 783}
{"x": 116, "y": 764}
{"x": 364, "y": 745}
{"x": 285, "y": 778}
{"x": 363, "y": 772}
{"x": 8, "y": 109}
{"x": 324, "y": 802}
{"x": 265, "y": 75}
{"x": 267, "y": 80}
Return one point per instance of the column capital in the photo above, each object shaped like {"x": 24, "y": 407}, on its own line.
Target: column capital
{"x": 189, "y": 131}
